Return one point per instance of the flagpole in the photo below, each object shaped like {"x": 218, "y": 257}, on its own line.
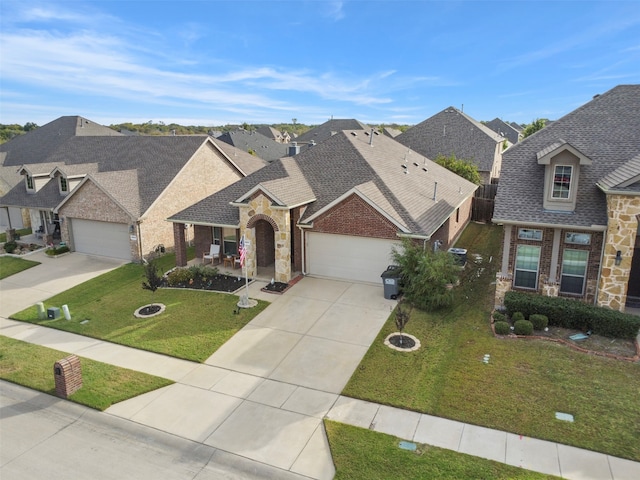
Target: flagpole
{"x": 243, "y": 257}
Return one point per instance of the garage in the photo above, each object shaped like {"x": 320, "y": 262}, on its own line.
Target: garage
{"x": 101, "y": 238}
{"x": 360, "y": 259}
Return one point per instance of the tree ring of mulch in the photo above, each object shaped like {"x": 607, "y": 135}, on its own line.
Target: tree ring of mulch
{"x": 409, "y": 342}
{"x": 150, "y": 310}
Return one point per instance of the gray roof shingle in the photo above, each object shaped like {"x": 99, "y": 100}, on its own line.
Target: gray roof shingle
{"x": 504, "y": 129}
{"x": 454, "y": 132}
{"x": 343, "y": 163}
{"x": 263, "y": 147}
{"x": 329, "y": 128}
{"x": 606, "y": 130}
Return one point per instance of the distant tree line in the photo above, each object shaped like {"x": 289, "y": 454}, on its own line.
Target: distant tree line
{"x": 7, "y": 132}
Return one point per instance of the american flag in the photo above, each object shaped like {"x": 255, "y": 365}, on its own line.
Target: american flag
{"x": 242, "y": 251}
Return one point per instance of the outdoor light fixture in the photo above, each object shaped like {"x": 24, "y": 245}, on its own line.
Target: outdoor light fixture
{"x": 618, "y": 257}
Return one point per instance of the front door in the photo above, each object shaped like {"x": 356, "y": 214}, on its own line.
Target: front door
{"x": 633, "y": 287}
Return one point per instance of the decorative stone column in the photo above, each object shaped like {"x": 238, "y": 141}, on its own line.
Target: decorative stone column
{"x": 503, "y": 285}
{"x": 623, "y": 212}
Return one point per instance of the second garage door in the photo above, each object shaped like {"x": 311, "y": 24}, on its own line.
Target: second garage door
{"x": 351, "y": 258}
{"x": 101, "y": 238}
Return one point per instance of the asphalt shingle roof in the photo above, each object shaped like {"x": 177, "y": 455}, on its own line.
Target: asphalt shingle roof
{"x": 626, "y": 177}
{"x": 263, "y": 147}
{"x": 504, "y": 129}
{"x": 606, "y": 130}
{"x": 453, "y": 132}
{"x": 348, "y": 162}
{"x": 329, "y": 128}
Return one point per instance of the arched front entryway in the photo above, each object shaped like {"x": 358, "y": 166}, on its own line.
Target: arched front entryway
{"x": 265, "y": 244}
{"x": 633, "y": 286}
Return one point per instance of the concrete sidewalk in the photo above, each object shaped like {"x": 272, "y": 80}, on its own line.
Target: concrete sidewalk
{"x": 263, "y": 395}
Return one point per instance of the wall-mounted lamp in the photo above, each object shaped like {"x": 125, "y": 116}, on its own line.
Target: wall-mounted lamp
{"x": 618, "y": 257}
{"x": 131, "y": 229}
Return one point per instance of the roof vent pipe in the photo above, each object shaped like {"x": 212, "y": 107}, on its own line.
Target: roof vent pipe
{"x": 435, "y": 191}
{"x": 371, "y": 138}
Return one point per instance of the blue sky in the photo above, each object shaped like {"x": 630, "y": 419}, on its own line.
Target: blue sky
{"x": 211, "y": 62}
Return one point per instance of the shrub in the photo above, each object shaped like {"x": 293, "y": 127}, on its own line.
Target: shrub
{"x": 9, "y": 247}
{"x": 52, "y": 251}
{"x": 502, "y": 328}
{"x": 523, "y": 327}
{"x": 573, "y": 314}
{"x": 539, "y": 321}
{"x": 517, "y": 316}
{"x": 499, "y": 317}
{"x": 154, "y": 279}
{"x": 179, "y": 275}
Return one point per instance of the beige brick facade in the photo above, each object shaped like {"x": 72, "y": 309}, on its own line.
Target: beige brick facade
{"x": 204, "y": 174}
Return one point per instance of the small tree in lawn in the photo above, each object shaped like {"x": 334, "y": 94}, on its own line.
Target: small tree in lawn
{"x": 154, "y": 279}
{"x": 402, "y": 317}
{"x": 427, "y": 276}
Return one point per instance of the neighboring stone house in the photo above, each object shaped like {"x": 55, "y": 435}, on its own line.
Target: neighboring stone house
{"x": 110, "y": 195}
{"x": 256, "y": 144}
{"x": 569, "y": 202}
{"x": 454, "y": 132}
{"x": 505, "y": 130}
{"x": 335, "y": 210}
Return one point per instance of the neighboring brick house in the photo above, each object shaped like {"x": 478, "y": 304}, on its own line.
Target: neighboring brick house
{"x": 504, "y": 129}
{"x": 569, "y": 201}
{"x": 274, "y": 134}
{"x": 335, "y": 210}
{"x": 454, "y": 132}
{"x": 110, "y": 195}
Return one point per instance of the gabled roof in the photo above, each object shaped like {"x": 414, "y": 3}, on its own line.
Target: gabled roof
{"x": 400, "y": 183}
{"x": 44, "y": 141}
{"x": 605, "y": 130}
{"x": 623, "y": 179}
{"x": 246, "y": 162}
{"x": 504, "y": 129}
{"x": 453, "y": 132}
{"x": 329, "y": 128}
{"x": 263, "y": 147}
{"x": 272, "y": 133}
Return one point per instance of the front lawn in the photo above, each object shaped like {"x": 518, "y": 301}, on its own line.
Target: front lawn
{"x": 20, "y": 231}
{"x": 102, "y": 385}
{"x": 360, "y": 453}
{"x": 193, "y": 326}
{"x": 521, "y": 388}
{"x": 11, "y": 265}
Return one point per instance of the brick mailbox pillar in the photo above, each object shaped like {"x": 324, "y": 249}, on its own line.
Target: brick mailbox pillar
{"x": 68, "y": 376}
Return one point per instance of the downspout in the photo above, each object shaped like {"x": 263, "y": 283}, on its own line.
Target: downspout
{"x": 304, "y": 258}
{"x": 142, "y": 260}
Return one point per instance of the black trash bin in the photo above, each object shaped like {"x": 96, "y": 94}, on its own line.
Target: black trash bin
{"x": 391, "y": 282}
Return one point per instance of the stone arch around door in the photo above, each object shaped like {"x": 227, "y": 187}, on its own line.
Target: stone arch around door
{"x": 265, "y": 243}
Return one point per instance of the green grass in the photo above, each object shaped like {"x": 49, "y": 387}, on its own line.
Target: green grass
{"x": 194, "y": 325}
{"x": 523, "y": 385}
{"x": 359, "y": 453}
{"x": 11, "y": 265}
{"x": 102, "y": 385}
{"x": 20, "y": 231}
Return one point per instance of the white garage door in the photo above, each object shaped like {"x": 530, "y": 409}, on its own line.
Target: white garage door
{"x": 101, "y": 238}
{"x": 352, "y": 258}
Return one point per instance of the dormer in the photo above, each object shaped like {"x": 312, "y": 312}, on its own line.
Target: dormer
{"x": 66, "y": 182}
{"x": 562, "y": 164}
{"x": 33, "y": 180}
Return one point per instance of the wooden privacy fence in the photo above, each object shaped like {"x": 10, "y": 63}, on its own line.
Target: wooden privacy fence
{"x": 483, "y": 202}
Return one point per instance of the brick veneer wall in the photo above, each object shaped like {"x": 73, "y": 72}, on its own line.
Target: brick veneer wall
{"x": 353, "y": 216}
{"x": 68, "y": 376}
{"x": 203, "y": 238}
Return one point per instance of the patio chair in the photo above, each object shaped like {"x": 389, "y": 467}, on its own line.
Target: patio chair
{"x": 214, "y": 252}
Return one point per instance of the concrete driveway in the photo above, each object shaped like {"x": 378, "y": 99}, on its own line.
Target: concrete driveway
{"x": 52, "y": 276}
{"x": 264, "y": 393}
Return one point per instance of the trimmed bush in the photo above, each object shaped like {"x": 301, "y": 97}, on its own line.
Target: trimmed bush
{"x": 540, "y": 322}
{"x": 523, "y": 327}
{"x": 179, "y": 275}
{"x": 499, "y": 317}
{"x": 502, "y": 328}
{"x": 517, "y": 316}
{"x": 9, "y": 247}
{"x": 51, "y": 251}
{"x": 573, "y": 314}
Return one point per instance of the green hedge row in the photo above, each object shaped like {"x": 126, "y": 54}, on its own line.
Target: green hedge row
{"x": 568, "y": 313}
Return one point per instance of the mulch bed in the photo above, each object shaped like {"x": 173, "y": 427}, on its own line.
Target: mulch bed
{"x": 402, "y": 341}
{"x": 149, "y": 310}
{"x": 218, "y": 283}
{"x": 279, "y": 287}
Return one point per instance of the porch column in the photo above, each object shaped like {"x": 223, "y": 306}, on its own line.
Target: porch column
{"x": 180, "y": 244}
{"x": 506, "y": 249}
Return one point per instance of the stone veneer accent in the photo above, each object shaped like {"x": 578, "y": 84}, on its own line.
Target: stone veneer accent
{"x": 258, "y": 208}
{"x": 503, "y": 285}
{"x": 550, "y": 289}
{"x": 623, "y": 212}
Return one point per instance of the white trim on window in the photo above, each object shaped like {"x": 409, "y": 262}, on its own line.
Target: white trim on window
{"x": 527, "y": 267}
{"x": 574, "y": 271}
{"x": 529, "y": 234}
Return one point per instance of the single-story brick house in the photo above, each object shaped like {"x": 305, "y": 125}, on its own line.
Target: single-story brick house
{"x": 569, "y": 201}
{"x": 335, "y": 210}
{"x": 109, "y": 195}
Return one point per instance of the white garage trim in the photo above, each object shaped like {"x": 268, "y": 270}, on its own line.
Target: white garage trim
{"x": 361, "y": 259}
{"x": 101, "y": 238}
